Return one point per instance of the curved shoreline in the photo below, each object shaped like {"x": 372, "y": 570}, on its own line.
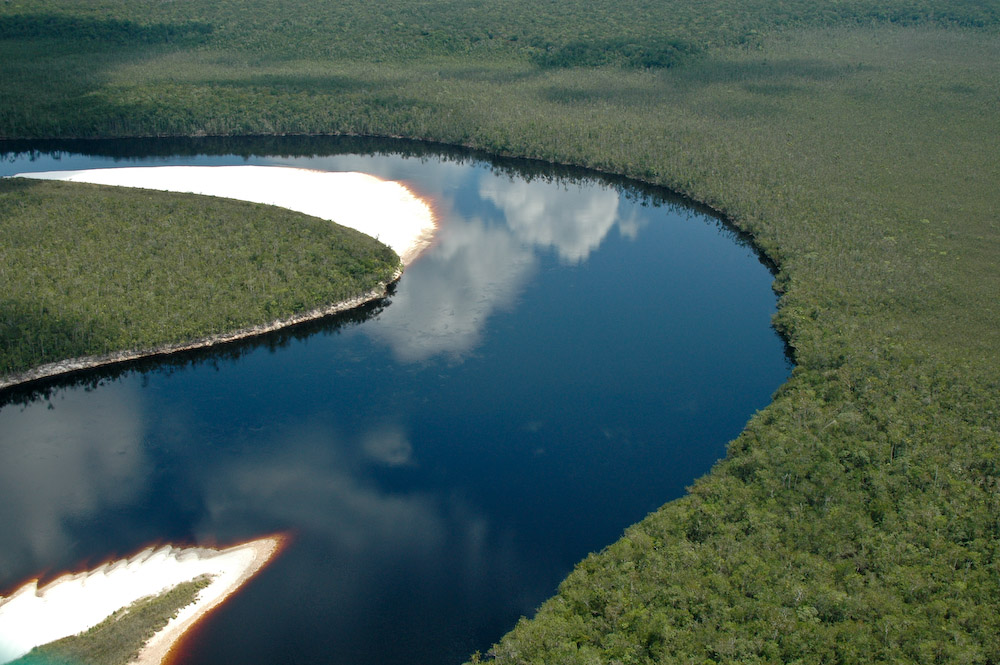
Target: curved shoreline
{"x": 359, "y": 201}
{"x": 81, "y": 363}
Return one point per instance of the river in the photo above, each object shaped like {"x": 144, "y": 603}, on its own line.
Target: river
{"x": 571, "y": 353}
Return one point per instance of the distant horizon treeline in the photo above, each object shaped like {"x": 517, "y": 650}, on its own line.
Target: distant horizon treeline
{"x": 630, "y": 34}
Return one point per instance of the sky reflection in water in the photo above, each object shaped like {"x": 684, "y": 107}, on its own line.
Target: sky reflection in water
{"x": 560, "y": 362}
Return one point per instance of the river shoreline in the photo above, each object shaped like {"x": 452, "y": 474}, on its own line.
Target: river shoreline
{"x": 159, "y": 648}
{"x": 71, "y": 365}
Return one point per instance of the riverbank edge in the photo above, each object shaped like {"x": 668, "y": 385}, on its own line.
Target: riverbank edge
{"x": 71, "y": 365}
{"x": 165, "y": 645}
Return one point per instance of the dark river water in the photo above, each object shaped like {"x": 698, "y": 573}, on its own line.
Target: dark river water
{"x": 571, "y": 353}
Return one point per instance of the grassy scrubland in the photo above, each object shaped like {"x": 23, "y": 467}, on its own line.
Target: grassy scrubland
{"x": 87, "y": 270}
{"x": 118, "y": 639}
{"x": 857, "y": 518}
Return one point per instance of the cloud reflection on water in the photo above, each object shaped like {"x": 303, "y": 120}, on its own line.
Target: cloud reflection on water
{"x": 368, "y": 551}
{"x": 479, "y": 266}
{"x": 442, "y": 305}
{"x": 389, "y": 445}
{"x": 74, "y": 461}
{"x": 319, "y": 482}
{"x": 368, "y": 540}
{"x": 573, "y": 221}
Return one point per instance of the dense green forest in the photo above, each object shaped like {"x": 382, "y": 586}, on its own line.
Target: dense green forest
{"x": 88, "y": 270}
{"x": 857, "y": 517}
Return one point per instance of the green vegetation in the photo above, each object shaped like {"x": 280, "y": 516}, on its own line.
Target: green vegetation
{"x": 118, "y": 639}
{"x": 857, "y": 518}
{"x": 401, "y": 67}
{"x": 87, "y": 270}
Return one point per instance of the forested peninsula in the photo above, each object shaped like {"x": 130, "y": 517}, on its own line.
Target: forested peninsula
{"x": 857, "y": 517}
{"x": 95, "y": 275}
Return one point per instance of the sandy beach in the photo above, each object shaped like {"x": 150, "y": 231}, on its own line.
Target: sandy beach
{"x": 382, "y": 209}
{"x": 254, "y": 556}
{"x": 71, "y": 604}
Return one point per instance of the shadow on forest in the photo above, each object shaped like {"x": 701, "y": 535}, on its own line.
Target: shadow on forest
{"x": 29, "y": 330}
{"x": 767, "y": 78}
{"x": 763, "y": 71}
{"x": 112, "y": 32}
{"x": 731, "y": 89}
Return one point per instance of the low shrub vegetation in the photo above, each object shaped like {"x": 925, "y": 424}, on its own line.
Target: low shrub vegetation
{"x": 118, "y": 639}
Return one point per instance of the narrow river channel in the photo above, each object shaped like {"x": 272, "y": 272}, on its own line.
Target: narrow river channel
{"x": 571, "y": 353}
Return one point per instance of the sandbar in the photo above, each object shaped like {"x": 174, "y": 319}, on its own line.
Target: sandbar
{"x": 74, "y": 603}
{"x": 383, "y": 209}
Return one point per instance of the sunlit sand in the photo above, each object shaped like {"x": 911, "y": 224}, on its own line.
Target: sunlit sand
{"x": 383, "y": 209}
{"x": 71, "y": 604}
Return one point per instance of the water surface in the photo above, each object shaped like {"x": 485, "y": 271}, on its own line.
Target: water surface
{"x": 571, "y": 353}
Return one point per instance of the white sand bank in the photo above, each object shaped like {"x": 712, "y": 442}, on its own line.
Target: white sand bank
{"x": 382, "y": 209}
{"x": 71, "y": 604}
